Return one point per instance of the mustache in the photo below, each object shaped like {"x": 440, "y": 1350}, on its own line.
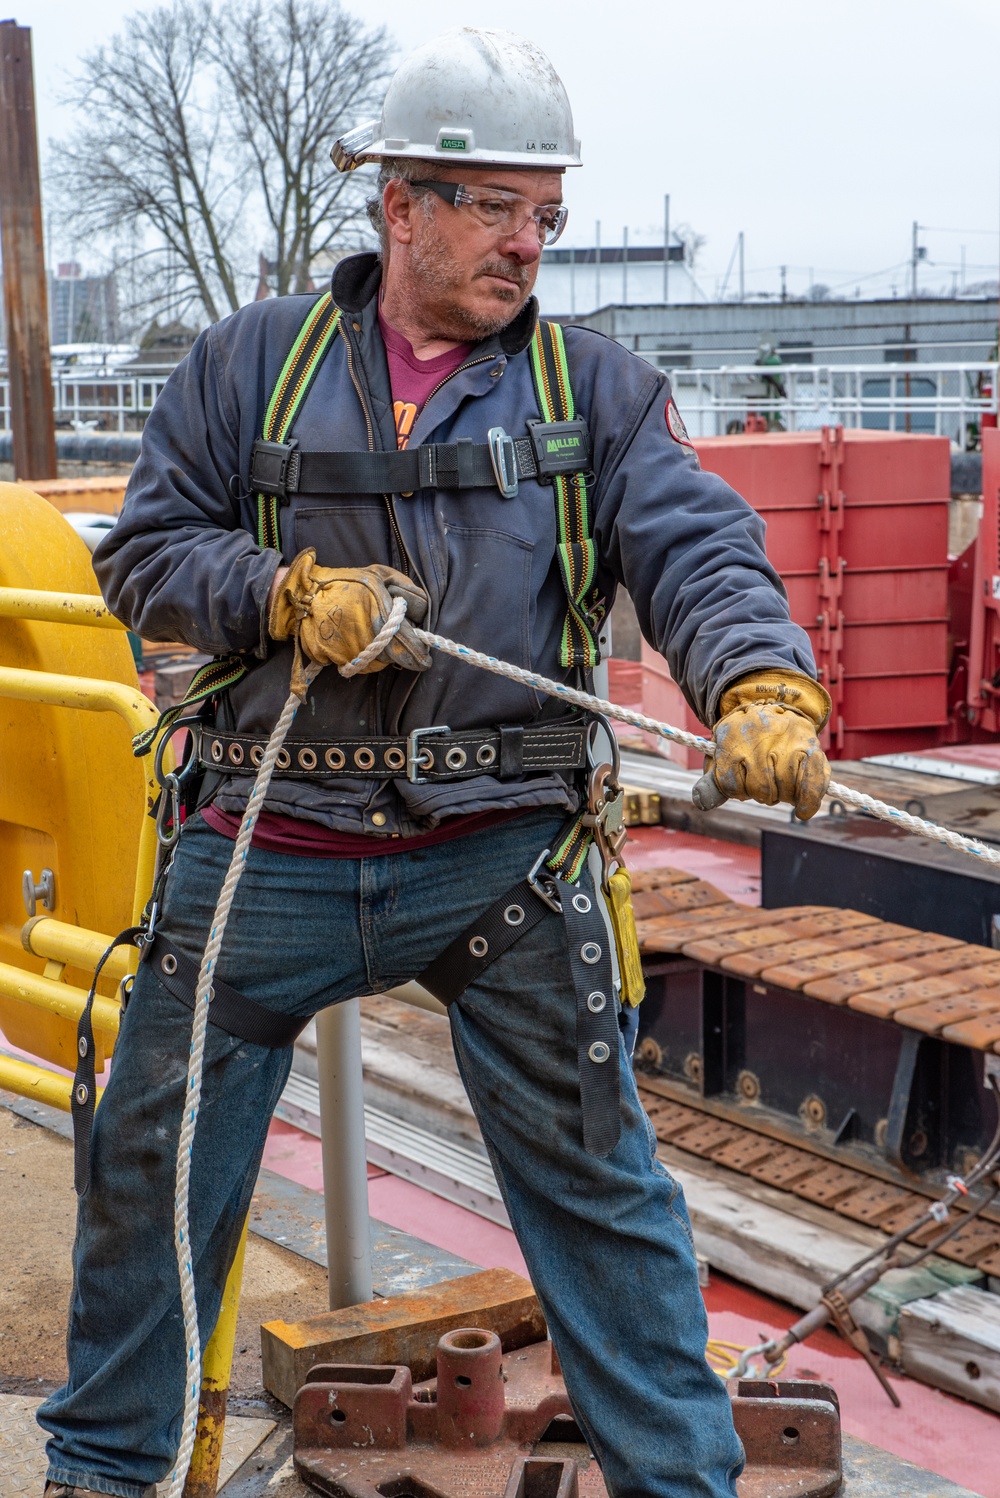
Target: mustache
{"x": 509, "y": 269}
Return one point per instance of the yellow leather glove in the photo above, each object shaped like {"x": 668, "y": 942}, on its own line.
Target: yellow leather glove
{"x": 766, "y": 747}
{"x": 337, "y": 611}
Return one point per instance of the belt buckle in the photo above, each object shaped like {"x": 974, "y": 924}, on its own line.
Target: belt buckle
{"x": 416, "y": 758}
{"x": 503, "y": 456}
{"x": 544, "y": 884}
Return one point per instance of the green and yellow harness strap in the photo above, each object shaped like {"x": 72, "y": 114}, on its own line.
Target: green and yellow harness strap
{"x": 306, "y": 356}
{"x": 574, "y": 541}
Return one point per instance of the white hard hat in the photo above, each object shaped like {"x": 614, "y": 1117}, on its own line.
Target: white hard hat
{"x": 490, "y": 98}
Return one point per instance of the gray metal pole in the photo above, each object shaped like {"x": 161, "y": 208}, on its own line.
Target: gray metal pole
{"x": 345, "y": 1168}
{"x": 666, "y": 248}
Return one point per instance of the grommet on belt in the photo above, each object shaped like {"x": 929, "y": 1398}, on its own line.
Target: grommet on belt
{"x": 486, "y": 755}
{"x": 599, "y": 1052}
{"x": 514, "y": 915}
{"x": 596, "y": 1001}
{"x": 335, "y": 759}
{"x": 394, "y": 759}
{"x": 256, "y": 756}
{"x": 216, "y": 751}
{"x": 307, "y": 759}
{"x": 283, "y": 759}
{"x": 364, "y": 759}
{"x": 455, "y": 759}
{"x": 82, "y": 1045}
{"x": 169, "y": 964}
{"x": 590, "y": 952}
{"x": 236, "y": 754}
{"x": 581, "y": 903}
{"x": 479, "y": 946}
{"x": 81, "y": 1094}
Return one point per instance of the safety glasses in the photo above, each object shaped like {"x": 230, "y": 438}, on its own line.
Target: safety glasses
{"x": 503, "y": 212}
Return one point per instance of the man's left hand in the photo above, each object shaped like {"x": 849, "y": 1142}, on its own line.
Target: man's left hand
{"x": 766, "y": 745}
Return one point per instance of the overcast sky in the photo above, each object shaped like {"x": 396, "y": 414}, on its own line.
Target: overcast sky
{"x": 822, "y": 130}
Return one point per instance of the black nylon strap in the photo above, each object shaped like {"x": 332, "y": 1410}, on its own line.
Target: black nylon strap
{"x": 282, "y": 469}
{"x": 490, "y": 935}
{"x": 229, "y": 1009}
{"x": 596, "y": 1018}
{"x": 85, "y": 1081}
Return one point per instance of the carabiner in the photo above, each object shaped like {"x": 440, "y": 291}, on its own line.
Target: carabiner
{"x": 184, "y": 772}
{"x": 544, "y": 884}
{"x": 169, "y": 811}
{"x": 594, "y": 757}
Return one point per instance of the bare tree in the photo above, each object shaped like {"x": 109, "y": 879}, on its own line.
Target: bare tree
{"x": 301, "y": 72}
{"x": 206, "y": 133}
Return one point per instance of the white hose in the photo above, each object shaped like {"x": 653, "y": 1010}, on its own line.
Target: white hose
{"x": 203, "y": 991}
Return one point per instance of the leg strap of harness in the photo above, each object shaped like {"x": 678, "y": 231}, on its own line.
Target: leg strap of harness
{"x": 495, "y": 931}
{"x": 229, "y": 1009}
{"x": 85, "y": 1081}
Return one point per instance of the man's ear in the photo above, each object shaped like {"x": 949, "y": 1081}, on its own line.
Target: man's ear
{"x": 399, "y": 206}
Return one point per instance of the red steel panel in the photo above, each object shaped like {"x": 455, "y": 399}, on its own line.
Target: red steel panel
{"x": 915, "y": 645}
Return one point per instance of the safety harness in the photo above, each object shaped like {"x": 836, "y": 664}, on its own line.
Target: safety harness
{"x": 557, "y": 451}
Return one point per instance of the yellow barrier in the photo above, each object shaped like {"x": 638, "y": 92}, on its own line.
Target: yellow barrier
{"x": 57, "y": 608}
{"x": 57, "y": 941}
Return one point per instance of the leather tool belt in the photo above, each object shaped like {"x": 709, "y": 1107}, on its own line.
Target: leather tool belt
{"x": 425, "y": 755}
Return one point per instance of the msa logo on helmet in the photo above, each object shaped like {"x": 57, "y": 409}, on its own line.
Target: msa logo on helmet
{"x": 452, "y": 143}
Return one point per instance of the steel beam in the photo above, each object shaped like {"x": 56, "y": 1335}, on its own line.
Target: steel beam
{"x": 26, "y": 302}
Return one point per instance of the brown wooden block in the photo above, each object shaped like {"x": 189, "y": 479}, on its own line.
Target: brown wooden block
{"x": 905, "y": 1215}
{"x": 982, "y": 1033}
{"x": 711, "y": 949}
{"x": 934, "y": 1015}
{"x": 875, "y": 1201}
{"x": 990, "y": 1263}
{"x": 752, "y": 964}
{"x": 745, "y": 1151}
{"x": 784, "y": 1167}
{"x": 648, "y": 903}
{"x": 671, "y": 934}
{"x": 915, "y": 946}
{"x": 672, "y": 1119}
{"x": 983, "y": 975}
{"x": 828, "y": 1185}
{"x": 952, "y": 959}
{"x": 826, "y": 921}
{"x": 798, "y": 974}
{"x": 692, "y": 895}
{"x": 711, "y": 1134}
{"x": 643, "y": 879}
{"x": 401, "y": 1328}
{"x": 838, "y": 989}
{"x": 884, "y": 1002}
{"x": 970, "y": 1243}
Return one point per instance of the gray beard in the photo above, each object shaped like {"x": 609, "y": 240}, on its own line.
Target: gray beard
{"x": 434, "y": 266}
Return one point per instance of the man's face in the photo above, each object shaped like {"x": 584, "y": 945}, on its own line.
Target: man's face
{"x": 471, "y": 280}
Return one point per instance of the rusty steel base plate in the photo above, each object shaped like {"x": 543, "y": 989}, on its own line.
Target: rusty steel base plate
{"x": 499, "y": 1425}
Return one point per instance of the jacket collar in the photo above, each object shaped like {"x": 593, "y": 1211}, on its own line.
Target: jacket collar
{"x": 357, "y": 278}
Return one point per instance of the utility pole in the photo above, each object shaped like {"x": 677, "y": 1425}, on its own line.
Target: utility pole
{"x": 784, "y": 287}
{"x": 26, "y": 302}
{"x": 666, "y": 249}
{"x": 913, "y": 262}
{"x": 625, "y": 267}
{"x": 742, "y": 282}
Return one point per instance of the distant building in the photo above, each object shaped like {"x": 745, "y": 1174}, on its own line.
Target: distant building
{"x": 82, "y": 309}
{"x": 574, "y": 281}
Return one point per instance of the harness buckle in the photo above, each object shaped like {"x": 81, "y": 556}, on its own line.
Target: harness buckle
{"x": 605, "y": 813}
{"x": 418, "y": 759}
{"x": 274, "y": 468}
{"x": 503, "y": 456}
{"x": 544, "y": 885}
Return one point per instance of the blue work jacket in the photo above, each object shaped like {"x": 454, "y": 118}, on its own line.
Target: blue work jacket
{"x": 182, "y": 562}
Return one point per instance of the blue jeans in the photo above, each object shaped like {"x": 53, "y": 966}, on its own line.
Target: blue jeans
{"x": 607, "y": 1241}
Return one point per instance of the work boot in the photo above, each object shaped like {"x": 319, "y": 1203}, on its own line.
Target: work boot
{"x": 68, "y": 1490}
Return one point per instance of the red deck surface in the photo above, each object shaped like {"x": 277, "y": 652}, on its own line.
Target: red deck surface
{"x": 947, "y": 1436}
{"x": 732, "y": 867}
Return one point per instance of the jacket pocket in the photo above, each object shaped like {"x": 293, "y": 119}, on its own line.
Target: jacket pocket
{"x": 488, "y": 605}
{"x": 350, "y": 532}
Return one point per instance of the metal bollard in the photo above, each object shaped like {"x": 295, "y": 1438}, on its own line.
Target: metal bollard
{"x": 345, "y": 1167}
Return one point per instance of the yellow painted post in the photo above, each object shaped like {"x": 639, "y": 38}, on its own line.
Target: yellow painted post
{"x": 216, "y": 1370}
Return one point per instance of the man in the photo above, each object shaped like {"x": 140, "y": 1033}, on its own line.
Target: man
{"x": 382, "y": 844}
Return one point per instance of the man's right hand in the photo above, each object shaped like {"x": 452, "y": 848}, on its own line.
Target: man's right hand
{"x": 338, "y": 611}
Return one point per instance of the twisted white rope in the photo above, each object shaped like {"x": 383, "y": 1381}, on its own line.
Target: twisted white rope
{"x": 693, "y": 741}
{"x": 203, "y": 991}
{"x": 192, "y": 1101}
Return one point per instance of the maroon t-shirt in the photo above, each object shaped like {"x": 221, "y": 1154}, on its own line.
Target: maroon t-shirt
{"x": 413, "y": 381}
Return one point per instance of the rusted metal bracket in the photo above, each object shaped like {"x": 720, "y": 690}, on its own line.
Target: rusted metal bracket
{"x": 843, "y": 1320}
{"x": 499, "y": 1425}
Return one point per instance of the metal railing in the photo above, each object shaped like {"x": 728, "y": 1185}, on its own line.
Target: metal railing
{"x": 109, "y": 400}
{"x": 948, "y": 400}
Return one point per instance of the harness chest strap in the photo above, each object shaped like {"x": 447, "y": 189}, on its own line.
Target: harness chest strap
{"x": 557, "y": 451}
